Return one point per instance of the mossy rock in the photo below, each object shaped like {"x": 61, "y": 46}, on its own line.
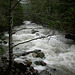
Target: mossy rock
{"x": 39, "y": 53}
{"x": 36, "y": 51}
{"x": 42, "y": 63}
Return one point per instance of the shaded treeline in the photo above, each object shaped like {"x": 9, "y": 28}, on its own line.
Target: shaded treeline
{"x": 58, "y": 14}
{"x": 4, "y": 14}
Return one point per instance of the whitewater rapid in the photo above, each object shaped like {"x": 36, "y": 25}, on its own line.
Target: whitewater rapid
{"x": 59, "y": 51}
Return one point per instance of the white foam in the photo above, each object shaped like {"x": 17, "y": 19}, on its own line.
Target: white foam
{"x": 59, "y": 52}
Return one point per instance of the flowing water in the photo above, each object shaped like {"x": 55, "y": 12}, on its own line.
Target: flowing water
{"x": 59, "y": 51}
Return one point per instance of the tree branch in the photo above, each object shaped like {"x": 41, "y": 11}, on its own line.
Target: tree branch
{"x": 31, "y": 40}
{"x": 15, "y": 5}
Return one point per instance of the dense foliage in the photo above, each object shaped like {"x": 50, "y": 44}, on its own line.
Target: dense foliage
{"x": 4, "y": 14}
{"x": 58, "y": 14}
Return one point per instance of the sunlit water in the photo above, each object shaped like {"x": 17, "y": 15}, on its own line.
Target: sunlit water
{"x": 59, "y": 51}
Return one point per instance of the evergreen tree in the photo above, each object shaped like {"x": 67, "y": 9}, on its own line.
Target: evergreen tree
{"x": 4, "y": 14}
{"x": 58, "y": 14}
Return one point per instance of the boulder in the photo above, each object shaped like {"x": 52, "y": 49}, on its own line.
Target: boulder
{"x": 5, "y": 42}
{"x": 42, "y": 63}
{"x": 25, "y": 68}
{"x": 53, "y": 69}
{"x": 22, "y": 67}
{"x": 38, "y": 53}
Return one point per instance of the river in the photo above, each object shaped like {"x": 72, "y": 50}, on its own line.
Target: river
{"x": 59, "y": 51}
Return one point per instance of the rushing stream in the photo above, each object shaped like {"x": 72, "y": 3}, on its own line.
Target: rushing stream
{"x": 59, "y": 51}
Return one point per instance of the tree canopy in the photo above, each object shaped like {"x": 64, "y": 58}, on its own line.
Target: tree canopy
{"x": 58, "y": 14}
{"x": 4, "y": 14}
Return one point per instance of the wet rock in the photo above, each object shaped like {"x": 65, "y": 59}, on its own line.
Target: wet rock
{"x": 34, "y": 54}
{"x": 37, "y": 34}
{"x": 42, "y": 63}
{"x": 26, "y": 53}
{"x": 44, "y": 72}
{"x": 5, "y": 42}
{"x": 70, "y": 36}
{"x": 0, "y": 41}
{"x": 53, "y": 69}
{"x": 24, "y": 68}
{"x": 17, "y": 48}
{"x": 24, "y": 57}
{"x": 20, "y": 66}
{"x": 4, "y": 58}
{"x": 35, "y": 72}
{"x": 31, "y": 71}
{"x": 28, "y": 63}
{"x": 38, "y": 53}
{"x": 33, "y": 31}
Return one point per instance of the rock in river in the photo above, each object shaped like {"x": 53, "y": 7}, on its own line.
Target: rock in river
{"x": 33, "y": 31}
{"x": 42, "y": 63}
{"x": 44, "y": 72}
{"x": 38, "y": 53}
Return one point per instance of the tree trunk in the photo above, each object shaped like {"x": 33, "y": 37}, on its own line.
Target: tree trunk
{"x": 10, "y": 38}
